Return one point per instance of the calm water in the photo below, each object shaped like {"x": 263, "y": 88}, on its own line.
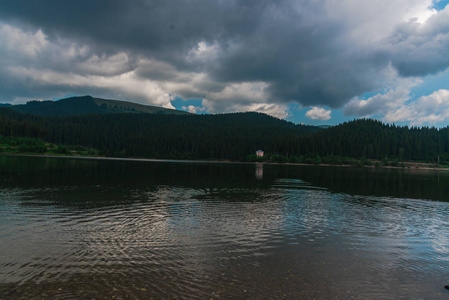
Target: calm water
{"x": 82, "y": 229}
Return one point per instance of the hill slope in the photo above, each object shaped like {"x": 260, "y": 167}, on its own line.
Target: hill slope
{"x": 226, "y": 136}
{"x": 365, "y": 138}
{"x": 85, "y": 105}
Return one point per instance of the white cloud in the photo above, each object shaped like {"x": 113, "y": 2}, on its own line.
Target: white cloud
{"x": 107, "y": 65}
{"x": 427, "y": 110}
{"x": 397, "y": 105}
{"x": 276, "y": 110}
{"x": 417, "y": 49}
{"x": 203, "y": 52}
{"x": 190, "y": 85}
{"x": 318, "y": 113}
{"x": 125, "y": 85}
{"x": 18, "y": 42}
{"x": 379, "y": 103}
{"x": 194, "y": 109}
{"x": 368, "y": 22}
{"x": 168, "y": 105}
{"x": 238, "y": 97}
{"x": 241, "y": 97}
{"x": 392, "y": 97}
{"x": 242, "y": 92}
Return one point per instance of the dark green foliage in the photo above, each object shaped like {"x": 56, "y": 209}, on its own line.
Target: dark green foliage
{"x": 61, "y": 149}
{"x": 36, "y": 146}
{"x": 279, "y": 158}
{"x": 252, "y": 158}
{"x": 310, "y": 158}
{"x": 232, "y": 136}
{"x": 227, "y": 136}
{"x": 23, "y": 148}
{"x": 371, "y": 139}
{"x": 65, "y": 107}
{"x": 22, "y": 145}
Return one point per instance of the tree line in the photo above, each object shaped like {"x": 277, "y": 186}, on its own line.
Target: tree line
{"x": 228, "y": 136}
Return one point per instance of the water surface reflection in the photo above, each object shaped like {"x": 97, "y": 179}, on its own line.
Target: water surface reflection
{"x": 73, "y": 228}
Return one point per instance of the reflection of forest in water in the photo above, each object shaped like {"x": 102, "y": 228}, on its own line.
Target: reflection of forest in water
{"x": 40, "y": 171}
{"x": 400, "y": 183}
{"x": 160, "y": 229}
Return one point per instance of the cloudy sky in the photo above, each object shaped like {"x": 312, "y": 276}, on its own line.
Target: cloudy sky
{"x": 307, "y": 61}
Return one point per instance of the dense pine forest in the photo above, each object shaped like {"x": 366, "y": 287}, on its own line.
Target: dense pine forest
{"x": 371, "y": 139}
{"x": 228, "y": 136}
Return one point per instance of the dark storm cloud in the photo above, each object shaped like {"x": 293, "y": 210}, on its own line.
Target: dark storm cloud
{"x": 303, "y": 54}
{"x": 159, "y": 28}
{"x": 418, "y": 50}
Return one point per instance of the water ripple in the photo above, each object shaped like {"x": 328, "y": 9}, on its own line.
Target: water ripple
{"x": 288, "y": 240}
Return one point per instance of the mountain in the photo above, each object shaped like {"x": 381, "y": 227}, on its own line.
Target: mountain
{"x": 85, "y": 105}
{"x": 225, "y": 136}
{"x": 144, "y": 132}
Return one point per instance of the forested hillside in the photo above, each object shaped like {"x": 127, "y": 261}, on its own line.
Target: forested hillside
{"x": 85, "y": 105}
{"x": 374, "y": 140}
{"x": 229, "y": 136}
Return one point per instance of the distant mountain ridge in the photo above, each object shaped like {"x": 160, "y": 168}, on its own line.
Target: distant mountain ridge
{"x": 86, "y": 105}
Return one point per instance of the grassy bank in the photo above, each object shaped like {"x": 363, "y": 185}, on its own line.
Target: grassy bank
{"x": 23, "y": 145}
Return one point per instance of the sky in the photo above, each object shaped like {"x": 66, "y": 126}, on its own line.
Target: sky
{"x": 306, "y": 61}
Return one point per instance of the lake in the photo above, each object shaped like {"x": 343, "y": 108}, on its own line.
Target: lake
{"x": 95, "y": 228}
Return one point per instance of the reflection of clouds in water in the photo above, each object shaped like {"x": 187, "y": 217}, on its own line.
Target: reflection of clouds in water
{"x": 306, "y": 209}
{"x": 192, "y": 229}
{"x": 192, "y": 232}
{"x": 392, "y": 233}
{"x": 406, "y": 223}
{"x": 441, "y": 245}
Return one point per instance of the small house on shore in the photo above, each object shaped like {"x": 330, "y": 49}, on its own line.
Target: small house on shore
{"x": 259, "y": 153}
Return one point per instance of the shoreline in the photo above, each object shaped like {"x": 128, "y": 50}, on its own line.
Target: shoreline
{"x": 124, "y": 158}
{"x": 408, "y": 165}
